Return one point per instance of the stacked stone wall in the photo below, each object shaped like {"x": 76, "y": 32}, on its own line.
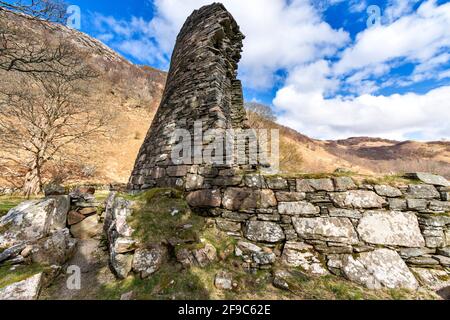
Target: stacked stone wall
{"x": 334, "y": 225}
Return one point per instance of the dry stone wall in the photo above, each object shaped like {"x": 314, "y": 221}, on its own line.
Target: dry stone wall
{"x": 376, "y": 235}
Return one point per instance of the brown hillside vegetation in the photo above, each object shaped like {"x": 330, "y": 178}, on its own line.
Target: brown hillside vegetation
{"x": 131, "y": 95}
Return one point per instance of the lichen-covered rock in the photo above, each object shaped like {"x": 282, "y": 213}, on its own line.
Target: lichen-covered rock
{"x": 57, "y": 249}
{"x": 397, "y": 204}
{"x": 377, "y": 269}
{"x": 277, "y": 183}
{"x": 263, "y": 231}
{"x": 223, "y": 281}
{"x": 298, "y": 254}
{"x": 358, "y": 199}
{"x": 33, "y": 220}
{"x": 124, "y": 245}
{"x": 310, "y": 185}
{"x": 417, "y": 204}
{"x": 332, "y": 229}
{"x": 301, "y": 208}
{"x": 229, "y": 226}
{"x": 422, "y": 191}
{"x": 12, "y": 252}
{"x": 147, "y": 261}
{"x": 240, "y": 199}
{"x": 439, "y": 206}
{"x": 429, "y": 178}
{"x": 387, "y": 191}
{"x": 255, "y": 181}
{"x": 206, "y": 255}
{"x": 121, "y": 264}
{"x": 204, "y": 198}
{"x": 194, "y": 182}
{"x": 344, "y": 184}
{"x": 346, "y": 213}
{"x": 433, "y": 279}
{"x": 27, "y": 289}
{"x": 390, "y": 228}
{"x": 284, "y": 196}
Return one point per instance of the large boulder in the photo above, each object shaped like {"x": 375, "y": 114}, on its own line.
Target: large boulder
{"x": 27, "y": 289}
{"x": 381, "y": 268}
{"x": 33, "y": 220}
{"x": 324, "y": 228}
{"x": 263, "y": 231}
{"x": 391, "y": 228}
{"x": 57, "y": 249}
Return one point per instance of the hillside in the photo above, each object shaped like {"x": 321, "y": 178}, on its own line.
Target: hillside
{"x": 132, "y": 94}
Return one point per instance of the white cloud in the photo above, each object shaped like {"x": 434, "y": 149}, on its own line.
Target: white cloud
{"x": 416, "y": 37}
{"x": 396, "y": 116}
{"x": 291, "y": 35}
{"x": 280, "y": 34}
{"x": 420, "y": 38}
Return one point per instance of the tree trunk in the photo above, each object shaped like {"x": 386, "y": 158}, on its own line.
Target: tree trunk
{"x": 33, "y": 184}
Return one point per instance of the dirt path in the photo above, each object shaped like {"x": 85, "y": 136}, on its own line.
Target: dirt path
{"x": 93, "y": 263}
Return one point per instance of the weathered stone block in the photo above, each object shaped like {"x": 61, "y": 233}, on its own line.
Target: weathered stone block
{"x": 204, "y": 198}
{"x": 283, "y": 196}
{"x": 262, "y": 231}
{"x": 277, "y": 183}
{"x": 390, "y": 228}
{"x": 331, "y": 229}
{"x": 299, "y": 254}
{"x": 298, "y": 208}
{"x": 422, "y": 191}
{"x": 397, "y": 204}
{"x": 387, "y": 191}
{"x": 377, "y": 269}
{"x": 344, "y": 184}
{"x": 358, "y": 199}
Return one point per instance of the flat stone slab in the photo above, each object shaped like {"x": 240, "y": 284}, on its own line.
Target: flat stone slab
{"x": 391, "y": 228}
{"x": 263, "y": 231}
{"x": 358, "y": 199}
{"x": 27, "y": 289}
{"x": 332, "y": 229}
{"x": 377, "y": 269}
{"x": 429, "y": 178}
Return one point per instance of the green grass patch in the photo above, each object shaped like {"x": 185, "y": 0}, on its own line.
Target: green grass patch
{"x": 8, "y": 276}
{"x": 9, "y": 202}
{"x": 169, "y": 283}
{"x": 163, "y": 214}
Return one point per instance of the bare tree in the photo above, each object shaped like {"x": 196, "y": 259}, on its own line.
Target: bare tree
{"x": 43, "y": 113}
{"x": 20, "y": 48}
{"x": 258, "y": 113}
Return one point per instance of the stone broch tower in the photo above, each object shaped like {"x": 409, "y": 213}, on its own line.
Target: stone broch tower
{"x": 201, "y": 85}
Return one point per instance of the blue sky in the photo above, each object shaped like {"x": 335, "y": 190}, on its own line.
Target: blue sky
{"x": 322, "y": 68}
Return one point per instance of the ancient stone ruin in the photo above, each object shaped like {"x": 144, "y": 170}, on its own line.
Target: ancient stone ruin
{"x": 375, "y": 235}
{"x": 201, "y": 86}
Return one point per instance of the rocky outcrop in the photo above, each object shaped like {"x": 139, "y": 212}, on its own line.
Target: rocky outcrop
{"x": 27, "y": 289}
{"x": 33, "y": 220}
